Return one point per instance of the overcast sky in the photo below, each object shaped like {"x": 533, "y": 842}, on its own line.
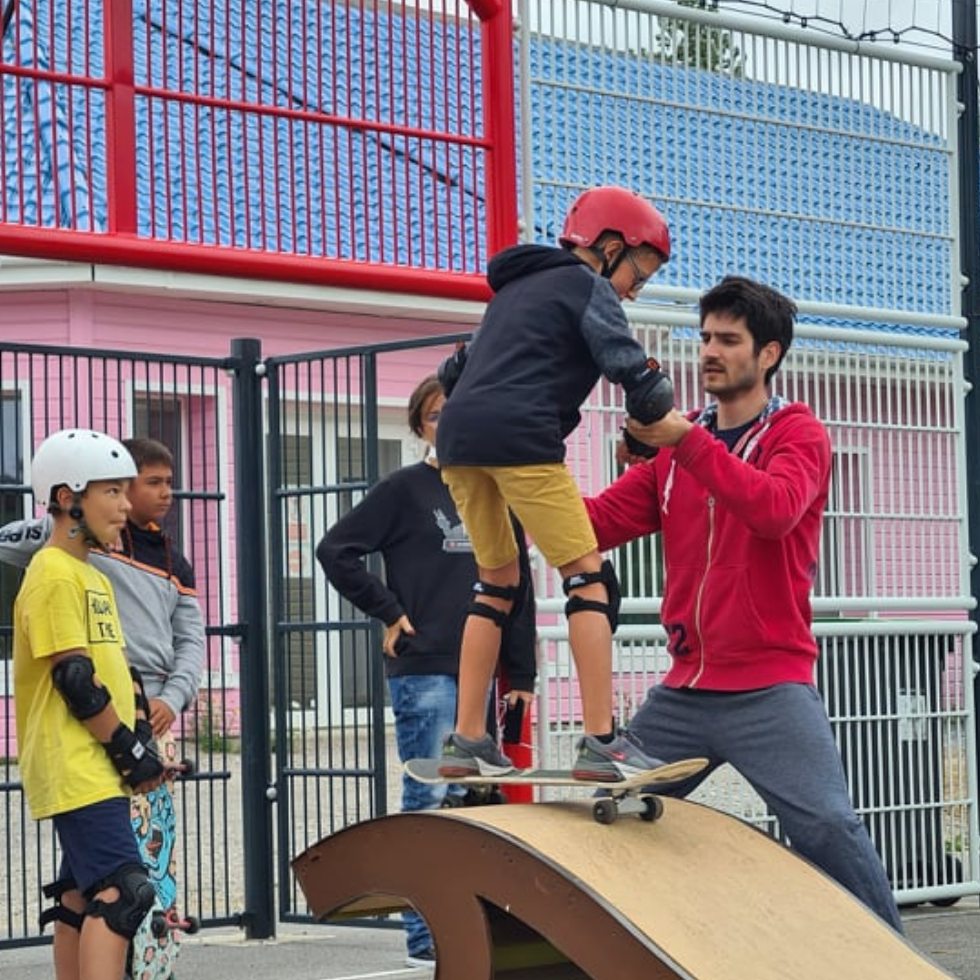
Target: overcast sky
{"x": 869, "y": 15}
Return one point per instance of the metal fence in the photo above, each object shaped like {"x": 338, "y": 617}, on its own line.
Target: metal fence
{"x": 891, "y": 597}
{"x": 187, "y": 404}
{"x": 331, "y": 436}
{"x": 827, "y": 168}
{"x": 360, "y": 144}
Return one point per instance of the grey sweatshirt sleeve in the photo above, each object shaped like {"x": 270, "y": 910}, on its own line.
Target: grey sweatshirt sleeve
{"x": 180, "y": 688}
{"x": 618, "y": 354}
{"x": 20, "y": 539}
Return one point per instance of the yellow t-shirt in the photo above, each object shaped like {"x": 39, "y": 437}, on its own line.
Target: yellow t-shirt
{"x": 65, "y": 604}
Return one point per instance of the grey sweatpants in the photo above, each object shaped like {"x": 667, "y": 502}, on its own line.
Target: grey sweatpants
{"x": 779, "y": 739}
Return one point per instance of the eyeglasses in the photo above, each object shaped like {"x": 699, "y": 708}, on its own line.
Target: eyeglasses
{"x": 640, "y": 278}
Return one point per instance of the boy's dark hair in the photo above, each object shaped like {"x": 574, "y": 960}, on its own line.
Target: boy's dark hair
{"x": 768, "y": 313}
{"x": 424, "y": 390}
{"x": 149, "y": 452}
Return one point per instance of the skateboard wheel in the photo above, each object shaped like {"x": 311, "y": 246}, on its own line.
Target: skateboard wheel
{"x": 653, "y": 808}
{"x": 158, "y": 924}
{"x": 605, "y": 811}
{"x": 192, "y": 925}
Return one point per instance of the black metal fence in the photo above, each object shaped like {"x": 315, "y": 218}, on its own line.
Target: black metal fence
{"x": 288, "y": 732}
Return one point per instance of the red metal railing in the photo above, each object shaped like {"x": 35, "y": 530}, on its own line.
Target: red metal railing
{"x": 359, "y": 144}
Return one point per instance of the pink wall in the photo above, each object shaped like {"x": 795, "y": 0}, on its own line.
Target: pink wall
{"x": 170, "y": 324}
{"x": 86, "y": 318}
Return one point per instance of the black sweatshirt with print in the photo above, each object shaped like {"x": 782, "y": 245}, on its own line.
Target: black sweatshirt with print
{"x": 410, "y": 520}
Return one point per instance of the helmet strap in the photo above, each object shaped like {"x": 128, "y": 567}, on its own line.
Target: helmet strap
{"x": 76, "y": 513}
{"x": 608, "y": 269}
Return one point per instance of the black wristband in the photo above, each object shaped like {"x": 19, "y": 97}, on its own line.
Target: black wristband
{"x": 134, "y": 760}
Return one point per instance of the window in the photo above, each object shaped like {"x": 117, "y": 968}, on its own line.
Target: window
{"x": 844, "y": 568}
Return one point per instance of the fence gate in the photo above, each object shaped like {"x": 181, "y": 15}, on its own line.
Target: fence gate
{"x": 330, "y": 437}
{"x": 186, "y": 403}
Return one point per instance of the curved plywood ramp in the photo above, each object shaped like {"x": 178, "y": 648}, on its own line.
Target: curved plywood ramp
{"x": 541, "y": 890}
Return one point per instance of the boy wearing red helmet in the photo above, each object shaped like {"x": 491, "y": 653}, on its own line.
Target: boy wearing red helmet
{"x": 554, "y": 326}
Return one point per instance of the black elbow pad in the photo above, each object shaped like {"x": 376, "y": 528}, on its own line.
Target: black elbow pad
{"x": 650, "y": 395}
{"x": 74, "y": 678}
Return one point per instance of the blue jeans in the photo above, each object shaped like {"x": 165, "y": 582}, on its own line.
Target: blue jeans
{"x": 425, "y": 713}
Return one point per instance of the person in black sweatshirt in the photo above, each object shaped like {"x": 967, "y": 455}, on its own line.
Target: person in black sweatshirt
{"x": 554, "y": 325}
{"x": 410, "y": 519}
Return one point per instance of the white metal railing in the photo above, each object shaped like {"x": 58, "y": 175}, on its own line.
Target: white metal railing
{"x": 899, "y": 697}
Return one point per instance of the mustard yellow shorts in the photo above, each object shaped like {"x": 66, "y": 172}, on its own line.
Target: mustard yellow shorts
{"x": 545, "y": 499}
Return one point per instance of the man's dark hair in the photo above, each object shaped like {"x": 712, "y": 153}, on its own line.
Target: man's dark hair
{"x": 149, "y": 452}
{"x": 768, "y": 313}
{"x": 424, "y": 390}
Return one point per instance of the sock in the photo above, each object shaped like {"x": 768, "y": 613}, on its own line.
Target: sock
{"x": 607, "y": 738}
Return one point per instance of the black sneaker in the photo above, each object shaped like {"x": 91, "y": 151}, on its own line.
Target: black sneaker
{"x": 469, "y": 757}
{"x": 609, "y": 763}
{"x": 424, "y": 957}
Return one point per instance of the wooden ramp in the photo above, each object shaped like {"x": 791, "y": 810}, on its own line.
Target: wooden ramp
{"x": 543, "y": 891}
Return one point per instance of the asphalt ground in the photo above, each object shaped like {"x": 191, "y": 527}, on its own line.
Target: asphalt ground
{"x": 949, "y": 936}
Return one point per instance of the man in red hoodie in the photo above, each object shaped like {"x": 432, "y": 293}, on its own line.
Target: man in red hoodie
{"x": 738, "y": 493}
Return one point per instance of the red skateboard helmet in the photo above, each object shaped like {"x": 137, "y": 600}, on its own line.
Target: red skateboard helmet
{"x": 615, "y": 209}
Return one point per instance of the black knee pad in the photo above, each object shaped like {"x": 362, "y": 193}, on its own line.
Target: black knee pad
{"x": 607, "y": 576}
{"x": 59, "y": 912}
{"x": 136, "y": 897}
{"x": 509, "y": 592}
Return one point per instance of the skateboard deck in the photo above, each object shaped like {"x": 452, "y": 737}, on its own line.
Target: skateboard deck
{"x": 156, "y": 945}
{"x": 637, "y": 794}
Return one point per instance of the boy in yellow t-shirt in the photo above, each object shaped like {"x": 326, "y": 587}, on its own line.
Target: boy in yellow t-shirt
{"x": 85, "y": 741}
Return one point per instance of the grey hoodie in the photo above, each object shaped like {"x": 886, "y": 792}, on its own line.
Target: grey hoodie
{"x": 160, "y": 615}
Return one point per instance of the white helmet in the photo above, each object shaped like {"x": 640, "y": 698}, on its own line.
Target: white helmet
{"x": 77, "y": 457}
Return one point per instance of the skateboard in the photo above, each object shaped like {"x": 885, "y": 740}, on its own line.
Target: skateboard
{"x": 155, "y": 947}
{"x": 633, "y": 795}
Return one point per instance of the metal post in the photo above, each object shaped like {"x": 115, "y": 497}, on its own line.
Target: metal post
{"x": 258, "y": 793}
{"x": 376, "y": 678}
{"x": 968, "y": 147}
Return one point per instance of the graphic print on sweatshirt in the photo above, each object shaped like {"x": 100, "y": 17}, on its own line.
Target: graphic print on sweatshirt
{"x": 455, "y": 540}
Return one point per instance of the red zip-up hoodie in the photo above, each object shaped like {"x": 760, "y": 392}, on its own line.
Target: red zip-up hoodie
{"x": 741, "y": 535}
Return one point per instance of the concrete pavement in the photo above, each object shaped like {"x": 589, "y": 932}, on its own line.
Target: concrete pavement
{"x": 950, "y": 936}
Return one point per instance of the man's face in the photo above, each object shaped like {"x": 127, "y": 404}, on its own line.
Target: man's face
{"x": 729, "y": 363}
{"x": 105, "y": 506}
{"x": 151, "y": 494}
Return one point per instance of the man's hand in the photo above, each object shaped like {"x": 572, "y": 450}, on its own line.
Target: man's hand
{"x": 161, "y": 717}
{"x": 393, "y": 634}
{"x": 668, "y": 431}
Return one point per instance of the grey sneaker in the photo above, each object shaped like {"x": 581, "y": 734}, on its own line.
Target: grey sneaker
{"x": 468, "y": 757}
{"x": 620, "y": 759}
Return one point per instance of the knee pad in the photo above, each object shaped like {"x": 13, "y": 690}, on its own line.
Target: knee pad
{"x": 59, "y": 912}
{"x": 607, "y": 576}
{"x": 136, "y": 897}
{"x": 500, "y": 618}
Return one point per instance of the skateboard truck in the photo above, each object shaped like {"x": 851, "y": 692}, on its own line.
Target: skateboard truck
{"x": 606, "y": 809}
{"x": 163, "y": 922}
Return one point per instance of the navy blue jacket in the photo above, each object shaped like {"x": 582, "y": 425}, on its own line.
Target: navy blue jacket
{"x": 553, "y": 327}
